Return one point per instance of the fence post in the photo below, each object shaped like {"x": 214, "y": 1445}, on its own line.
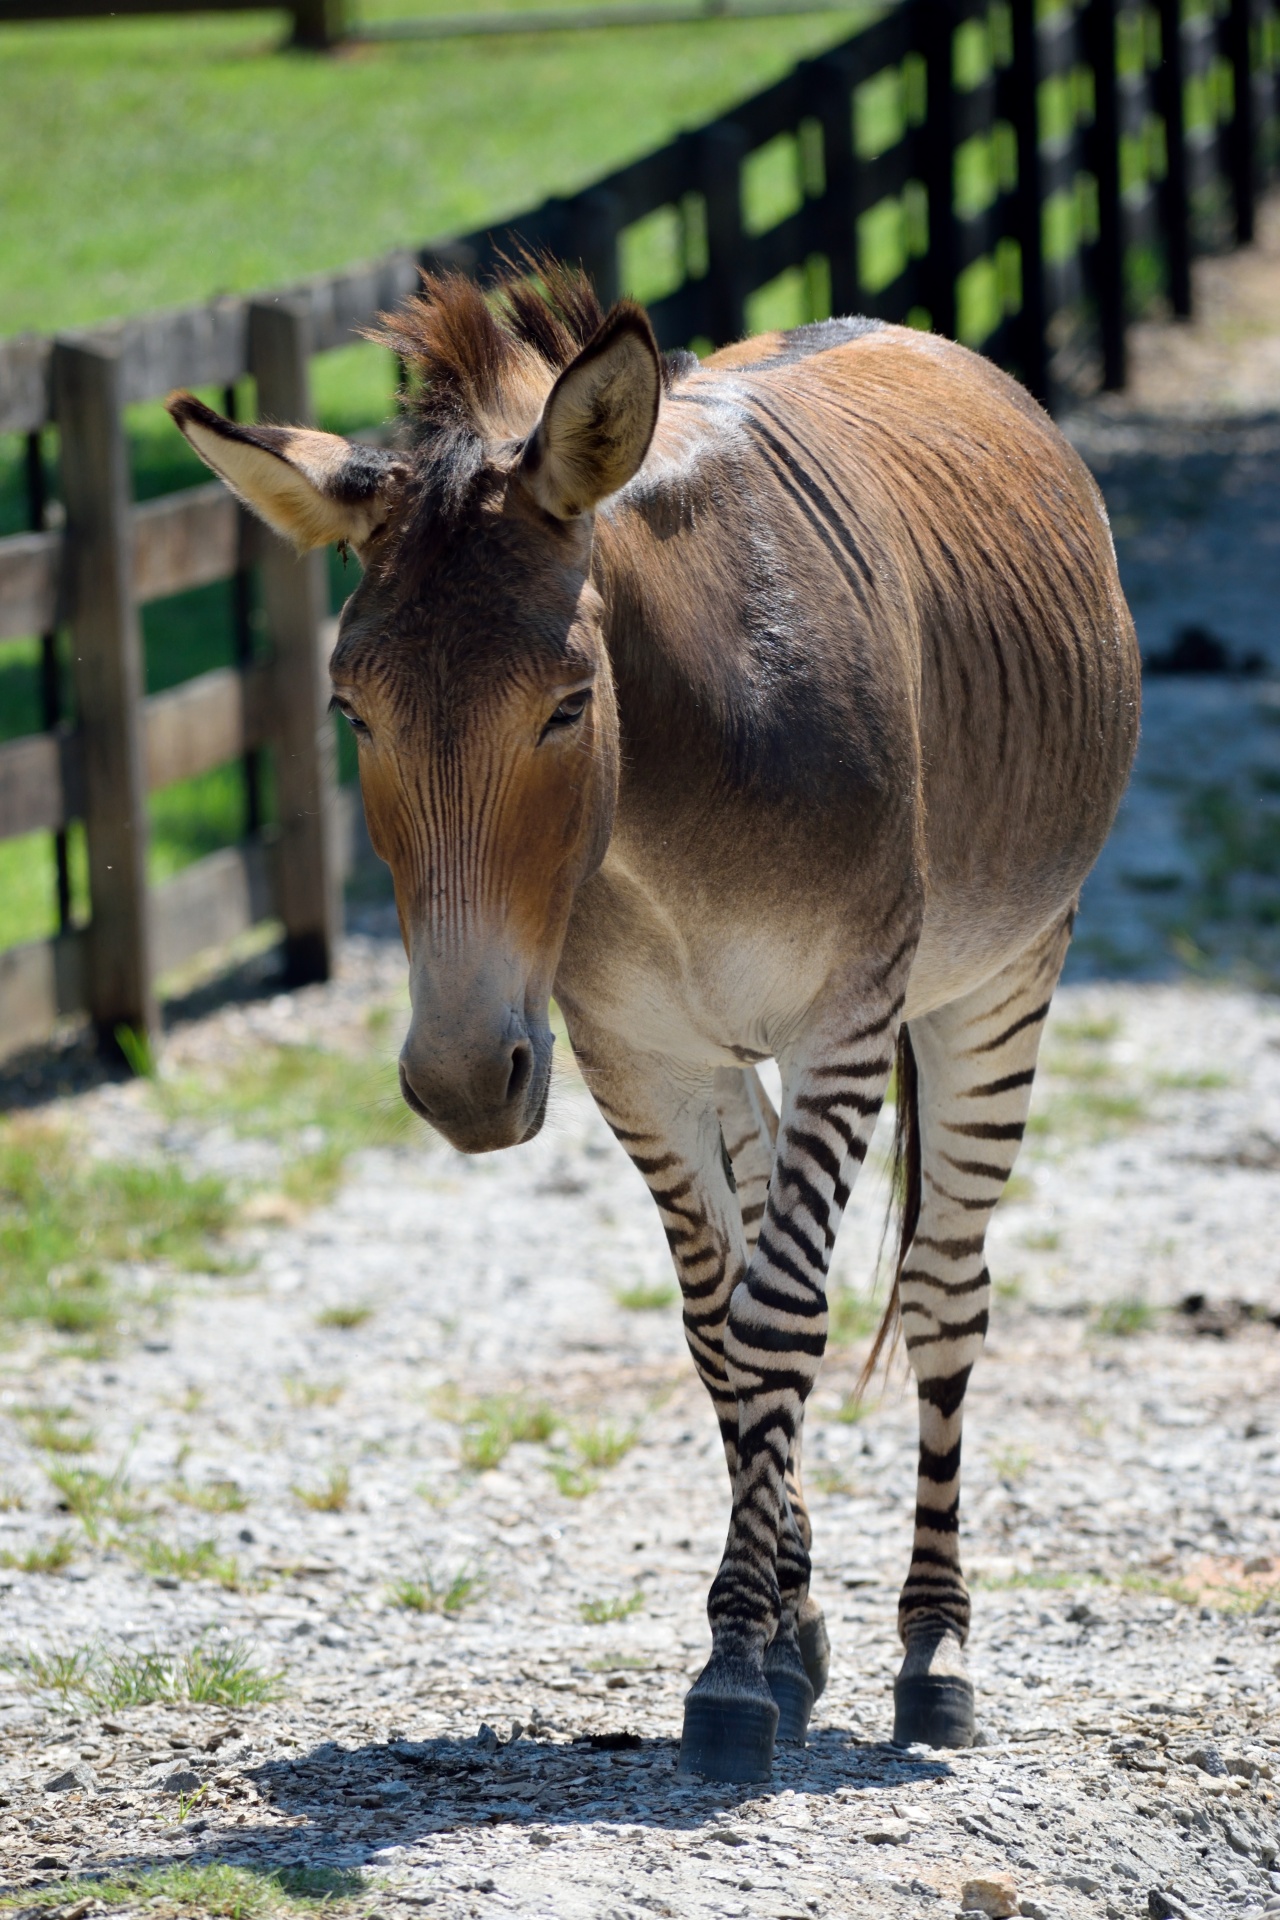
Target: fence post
{"x": 1171, "y": 97}
{"x": 1243, "y": 137}
{"x": 593, "y": 237}
{"x": 832, "y": 94}
{"x": 106, "y": 649}
{"x": 1028, "y": 201}
{"x": 295, "y": 602}
{"x": 935, "y": 33}
{"x": 317, "y": 24}
{"x": 1100, "y": 51}
{"x": 721, "y": 151}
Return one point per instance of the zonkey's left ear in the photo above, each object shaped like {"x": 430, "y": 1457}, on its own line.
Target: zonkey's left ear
{"x": 314, "y": 488}
{"x": 599, "y": 418}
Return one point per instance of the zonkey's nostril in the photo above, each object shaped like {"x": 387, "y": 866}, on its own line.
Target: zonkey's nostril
{"x": 521, "y": 1070}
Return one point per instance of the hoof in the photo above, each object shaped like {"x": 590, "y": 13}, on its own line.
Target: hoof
{"x": 729, "y": 1736}
{"x": 933, "y": 1695}
{"x": 791, "y": 1688}
{"x": 815, "y": 1648}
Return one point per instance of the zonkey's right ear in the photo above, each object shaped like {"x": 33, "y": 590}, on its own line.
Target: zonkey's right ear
{"x": 314, "y": 488}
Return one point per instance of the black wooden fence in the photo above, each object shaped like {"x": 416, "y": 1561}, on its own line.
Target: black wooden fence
{"x": 1024, "y": 178}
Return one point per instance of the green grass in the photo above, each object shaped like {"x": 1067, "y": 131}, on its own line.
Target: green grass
{"x": 218, "y": 1673}
{"x": 146, "y": 163}
{"x": 65, "y": 1218}
{"x": 574, "y": 1482}
{"x": 850, "y": 1316}
{"x": 428, "y": 1595}
{"x": 165, "y": 1559}
{"x": 641, "y": 1299}
{"x": 345, "y": 1319}
{"x": 52, "y": 1558}
{"x": 1121, "y": 1319}
{"x": 213, "y": 1892}
{"x": 492, "y": 1426}
{"x": 331, "y": 1496}
{"x": 95, "y": 1498}
{"x": 214, "y": 1496}
{"x": 47, "y": 1428}
{"x": 603, "y": 1445}
{"x": 602, "y": 1613}
{"x": 336, "y": 1102}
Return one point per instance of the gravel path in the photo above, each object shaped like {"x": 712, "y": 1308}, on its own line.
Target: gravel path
{"x": 1122, "y": 1498}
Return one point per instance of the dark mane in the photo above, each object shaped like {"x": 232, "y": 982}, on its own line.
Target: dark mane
{"x": 474, "y": 353}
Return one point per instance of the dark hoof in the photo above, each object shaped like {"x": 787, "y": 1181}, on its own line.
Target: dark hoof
{"x": 815, "y": 1648}
{"x": 789, "y": 1684}
{"x": 934, "y": 1709}
{"x": 728, "y": 1739}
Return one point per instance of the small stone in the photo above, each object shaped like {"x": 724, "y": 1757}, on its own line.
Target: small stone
{"x": 75, "y": 1779}
{"x": 889, "y": 1833}
{"x": 1082, "y": 1882}
{"x": 1032, "y": 1910}
{"x": 990, "y": 1893}
{"x": 182, "y": 1781}
{"x": 1209, "y": 1761}
{"x": 1164, "y": 1906}
{"x": 487, "y": 1739}
{"x": 48, "y": 1863}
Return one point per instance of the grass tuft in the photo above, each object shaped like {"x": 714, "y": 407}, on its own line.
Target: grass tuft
{"x": 214, "y": 1496}
{"x": 165, "y": 1561}
{"x": 345, "y": 1319}
{"x": 213, "y": 1673}
{"x": 335, "y": 1102}
{"x": 331, "y": 1497}
{"x": 572, "y": 1481}
{"x": 850, "y": 1316}
{"x": 95, "y": 1497}
{"x": 491, "y": 1427}
{"x": 602, "y": 1613}
{"x": 47, "y": 1428}
{"x": 66, "y": 1219}
{"x": 52, "y": 1558}
{"x": 1120, "y": 1319}
{"x": 429, "y": 1595}
{"x": 603, "y": 1445}
{"x": 214, "y": 1891}
{"x": 312, "y": 1393}
{"x": 644, "y": 1299}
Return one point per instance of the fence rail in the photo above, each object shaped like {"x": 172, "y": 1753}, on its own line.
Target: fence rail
{"x": 1027, "y": 183}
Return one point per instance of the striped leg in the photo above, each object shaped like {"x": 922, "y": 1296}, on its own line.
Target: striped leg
{"x": 750, "y": 1128}
{"x": 975, "y": 1060}
{"x": 773, "y": 1344}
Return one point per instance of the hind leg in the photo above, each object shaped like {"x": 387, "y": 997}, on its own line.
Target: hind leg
{"x": 798, "y": 1658}
{"x": 975, "y": 1061}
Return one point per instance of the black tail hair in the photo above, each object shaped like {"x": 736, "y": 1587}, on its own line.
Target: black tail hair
{"x": 904, "y": 1196}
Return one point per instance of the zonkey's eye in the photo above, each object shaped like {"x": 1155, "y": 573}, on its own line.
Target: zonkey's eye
{"x": 353, "y": 720}
{"x": 568, "y": 711}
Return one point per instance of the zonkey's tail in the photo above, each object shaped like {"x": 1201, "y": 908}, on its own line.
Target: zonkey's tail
{"x": 904, "y": 1196}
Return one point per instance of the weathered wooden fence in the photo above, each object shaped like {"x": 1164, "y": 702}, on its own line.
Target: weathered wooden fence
{"x": 1025, "y": 182}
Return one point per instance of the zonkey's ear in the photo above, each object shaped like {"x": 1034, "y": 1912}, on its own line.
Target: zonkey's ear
{"x": 312, "y": 487}
{"x": 599, "y": 418}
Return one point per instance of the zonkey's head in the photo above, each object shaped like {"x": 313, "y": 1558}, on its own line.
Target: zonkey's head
{"x": 470, "y": 660}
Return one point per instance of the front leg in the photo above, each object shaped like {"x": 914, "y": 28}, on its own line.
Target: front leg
{"x": 774, "y": 1340}
{"x": 750, "y": 1128}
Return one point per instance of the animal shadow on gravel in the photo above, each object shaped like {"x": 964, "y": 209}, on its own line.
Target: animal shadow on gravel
{"x": 389, "y": 1794}
{"x": 351, "y": 1803}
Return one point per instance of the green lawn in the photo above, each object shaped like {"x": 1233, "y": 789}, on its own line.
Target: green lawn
{"x": 145, "y": 164}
